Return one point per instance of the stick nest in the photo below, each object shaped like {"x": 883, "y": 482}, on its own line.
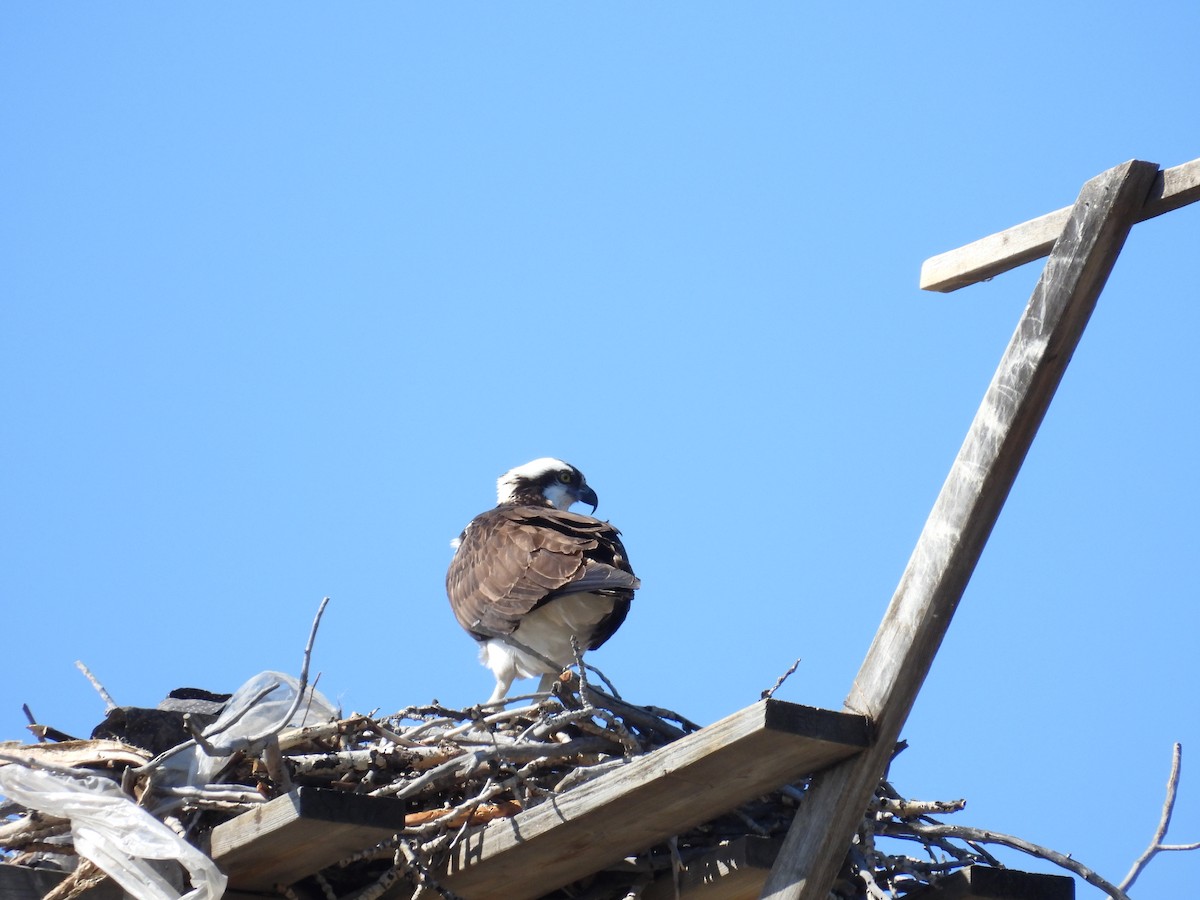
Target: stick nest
{"x": 457, "y": 769}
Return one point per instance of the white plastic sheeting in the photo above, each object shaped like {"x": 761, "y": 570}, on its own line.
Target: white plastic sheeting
{"x": 254, "y": 716}
{"x": 120, "y": 837}
{"x": 113, "y": 832}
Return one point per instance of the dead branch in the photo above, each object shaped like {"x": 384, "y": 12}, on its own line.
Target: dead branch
{"x": 911, "y": 809}
{"x": 32, "y": 720}
{"x": 1164, "y": 822}
{"x": 109, "y": 703}
{"x": 86, "y": 876}
{"x": 770, "y": 692}
{"x": 301, "y": 690}
{"x": 982, "y": 836}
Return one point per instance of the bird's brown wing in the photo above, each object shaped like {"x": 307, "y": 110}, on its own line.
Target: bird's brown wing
{"x": 513, "y": 558}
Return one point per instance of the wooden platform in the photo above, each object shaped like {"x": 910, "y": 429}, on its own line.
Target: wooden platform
{"x": 693, "y": 780}
{"x": 690, "y": 781}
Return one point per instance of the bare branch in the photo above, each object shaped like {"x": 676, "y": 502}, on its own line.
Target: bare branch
{"x": 301, "y": 690}
{"x": 1164, "y": 822}
{"x": 32, "y": 721}
{"x": 981, "y": 836}
{"x": 109, "y": 703}
{"x": 770, "y": 692}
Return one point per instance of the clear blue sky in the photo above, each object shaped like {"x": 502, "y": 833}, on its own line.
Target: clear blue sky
{"x": 287, "y": 286}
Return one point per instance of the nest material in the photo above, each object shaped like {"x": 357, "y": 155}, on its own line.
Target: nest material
{"x": 458, "y": 768}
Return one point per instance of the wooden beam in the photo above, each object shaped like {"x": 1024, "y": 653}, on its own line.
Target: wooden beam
{"x": 733, "y": 872}
{"x": 989, "y": 256}
{"x": 690, "y": 781}
{"x": 961, "y": 520}
{"x": 300, "y": 833}
{"x": 986, "y": 883}
{"x": 738, "y": 871}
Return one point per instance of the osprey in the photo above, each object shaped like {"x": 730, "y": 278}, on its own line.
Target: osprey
{"x": 529, "y": 575}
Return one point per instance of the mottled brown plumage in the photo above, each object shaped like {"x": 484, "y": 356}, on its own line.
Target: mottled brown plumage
{"x": 515, "y": 562}
{"x": 513, "y": 559}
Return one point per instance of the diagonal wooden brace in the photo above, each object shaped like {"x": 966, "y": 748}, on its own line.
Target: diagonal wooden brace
{"x": 961, "y": 520}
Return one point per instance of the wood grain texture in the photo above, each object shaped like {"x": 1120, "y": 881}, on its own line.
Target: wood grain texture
{"x": 961, "y": 520}
{"x": 692, "y": 780}
{"x": 997, "y": 253}
{"x": 300, "y": 833}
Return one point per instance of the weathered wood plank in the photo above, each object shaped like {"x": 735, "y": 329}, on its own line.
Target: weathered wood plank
{"x": 986, "y": 883}
{"x": 300, "y": 833}
{"x": 961, "y": 520}
{"x": 694, "y": 779}
{"x": 996, "y": 253}
{"x": 733, "y": 872}
{"x": 739, "y": 870}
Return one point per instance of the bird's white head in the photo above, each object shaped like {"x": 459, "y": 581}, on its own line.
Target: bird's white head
{"x": 545, "y": 480}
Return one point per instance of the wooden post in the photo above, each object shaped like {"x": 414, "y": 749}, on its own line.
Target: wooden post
{"x": 960, "y": 522}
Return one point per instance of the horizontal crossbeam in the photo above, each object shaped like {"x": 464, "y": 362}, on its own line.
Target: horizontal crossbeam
{"x": 989, "y": 256}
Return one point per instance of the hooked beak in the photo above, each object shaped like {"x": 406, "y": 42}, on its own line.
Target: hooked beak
{"x": 588, "y": 496}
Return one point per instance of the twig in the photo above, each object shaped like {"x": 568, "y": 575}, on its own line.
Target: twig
{"x": 45, "y": 732}
{"x": 645, "y": 718}
{"x": 68, "y": 771}
{"x": 201, "y": 739}
{"x": 326, "y": 888}
{"x": 204, "y": 739}
{"x": 32, "y": 721}
{"x": 608, "y": 684}
{"x": 303, "y": 686}
{"x": 912, "y": 809}
{"x": 420, "y": 871}
{"x": 86, "y": 875}
{"x": 35, "y": 827}
{"x": 1164, "y": 822}
{"x": 109, "y": 703}
{"x": 770, "y": 692}
{"x": 1006, "y": 840}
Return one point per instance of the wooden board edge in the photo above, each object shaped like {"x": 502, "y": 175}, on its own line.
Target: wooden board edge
{"x": 1005, "y": 250}
{"x": 780, "y": 742}
{"x": 988, "y": 883}
{"x": 309, "y": 804}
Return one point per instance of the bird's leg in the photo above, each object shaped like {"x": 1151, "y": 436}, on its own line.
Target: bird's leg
{"x": 503, "y": 683}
